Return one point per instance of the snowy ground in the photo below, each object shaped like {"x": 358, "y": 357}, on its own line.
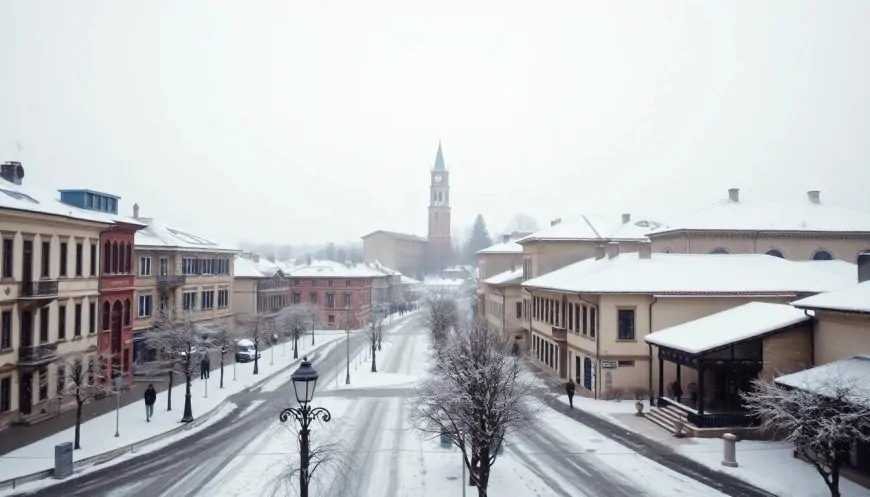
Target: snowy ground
{"x": 97, "y": 435}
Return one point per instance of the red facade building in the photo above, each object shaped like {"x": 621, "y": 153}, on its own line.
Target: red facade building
{"x": 342, "y": 292}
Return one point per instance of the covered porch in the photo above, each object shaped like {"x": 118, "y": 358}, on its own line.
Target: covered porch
{"x": 714, "y": 359}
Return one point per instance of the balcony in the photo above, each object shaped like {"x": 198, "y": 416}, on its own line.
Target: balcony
{"x": 37, "y": 355}
{"x": 171, "y": 281}
{"x": 37, "y": 293}
{"x": 559, "y": 334}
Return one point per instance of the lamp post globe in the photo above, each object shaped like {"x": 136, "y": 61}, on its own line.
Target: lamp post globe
{"x": 304, "y": 381}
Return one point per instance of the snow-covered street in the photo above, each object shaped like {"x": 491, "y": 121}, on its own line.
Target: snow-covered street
{"x": 377, "y": 452}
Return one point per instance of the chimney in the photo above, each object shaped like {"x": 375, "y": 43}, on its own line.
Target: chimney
{"x": 135, "y": 211}
{"x": 12, "y": 172}
{"x": 505, "y": 238}
{"x": 599, "y": 252}
{"x": 556, "y": 221}
{"x": 734, "y": 194}
{"x": 863, "y": 267}
{"x": 612, "y": 250}
{"x": 813, "y": 196}
{"x": 644, "y": 250}
{"x": 255, "y": 257}
{"x": 626, "y": 218}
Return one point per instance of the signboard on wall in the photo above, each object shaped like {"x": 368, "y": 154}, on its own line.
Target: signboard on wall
{"x": 608, "y": 364}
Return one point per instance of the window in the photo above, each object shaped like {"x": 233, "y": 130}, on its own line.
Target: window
{"x": 145, "y": 305}
{"x": 775, "y": 253}
{"x": 63, "y": 257}
{"x": 822, "y": 255}
{"x": 346, "y": 282}
{"x": 188, "y": 301}
{"x": 207, "y": 299}
{"x": 43, "y": 325}
{"x": 46, "y": 258}
{"x": 720, "y": 251}
{"x": 593, "y": 325}
{"x": 5, "y": 394}
{"x": 43, "y": 383}
{"x": 79, "y": 249}
{"x": 330, "y": 301}
{"x": 6, "y": 330}
{"x": 223, "y": 266}
{"x": 297, "y": 283}
{"x": 224, "y": 298}
{"x": 571, "y": 316}
{"x": 7, "y": 257}
{"x": 77, "y": 325}
{"x": 519, "y": 310}
{"x": 164, "y": 303}
{"x": 127, "y": 312}
{"x": 61, "y": 379}
{"x": 625, "y": 364}
{"x": 61, "y": 322}
{"x": 625, "y": 319}
{"x": 144, "y": 266}
{"x": 20, "y": 196}
{"x": 331, "y": 320}
{"x": 207, "y": 266}
{"x": 92, "y": 317}
{"x": 312, "y": 297}
{"x": 297, "y": 297}
{"x": 329, "y": 283}
{"x": 105, "y": 315}
{"x": 348, "y": 300}
{"x": 93, "y": 259}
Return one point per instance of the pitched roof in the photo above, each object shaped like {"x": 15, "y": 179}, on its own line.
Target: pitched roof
{"x": 161, "y": 236}
{"x": 509, "y": 247}
{"x": 377, "y": 266}
{"x": 594, "y": 227}
{"x": 730, "y": 326}
{"x": 855, "y": 298}
{"x": 757, "y": 215}
{"x": 509, "y": 277}
{"x": 844, "y": 268}
{"x": 396, "y": 234}
{"x": 677, "y": 274}
{"x": 439, "y": 160}
{"x": 331, "y": 269}
{"x": 822, "y": 380}
{"x": 247, "y": 268}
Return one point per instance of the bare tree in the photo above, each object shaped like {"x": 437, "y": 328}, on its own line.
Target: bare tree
{"x": 331, "y": 457}
{"x": 821, "y": 418}
{"x": 83, "y": 376}
{"x": 440, "y": 318}
{"x": 223, "y": 341}
{"x": 180, "y": 344}
{"x": 296, "y": 319}
{"x": 258, "y": 328}
{"x": 374, "y": 333}
{"x": 476, "y": 394}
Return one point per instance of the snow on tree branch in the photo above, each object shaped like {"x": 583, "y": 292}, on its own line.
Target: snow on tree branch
{"x": 295, "y": 320}
{"x": 83, "y": 376}
{"x": 374, "y": 333}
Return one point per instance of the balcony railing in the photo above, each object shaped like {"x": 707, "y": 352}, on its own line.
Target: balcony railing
{"x": 38, "y": 289}
{"x": 560, "y": 334}
{"x": 37, "y": 354}
{"x": 171, "y": 280}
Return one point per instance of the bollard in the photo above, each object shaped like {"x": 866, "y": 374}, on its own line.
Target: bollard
{"x": 730, "y": 456}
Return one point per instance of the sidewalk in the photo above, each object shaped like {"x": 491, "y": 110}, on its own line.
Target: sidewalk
{"x": 646, "y": 447}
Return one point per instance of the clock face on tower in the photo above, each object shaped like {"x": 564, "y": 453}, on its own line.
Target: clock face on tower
{"x": 437, "y": 178}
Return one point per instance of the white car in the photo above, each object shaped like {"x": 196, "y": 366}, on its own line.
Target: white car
{"x": 245, "y": 351}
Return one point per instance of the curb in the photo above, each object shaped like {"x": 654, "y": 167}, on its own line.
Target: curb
{"x": 13, "y": 483}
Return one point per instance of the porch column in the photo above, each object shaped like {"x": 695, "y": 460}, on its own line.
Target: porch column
{"x": 679, "y": 381}
{"x": 700, "y": 389}
{"x": 661, "y": 377}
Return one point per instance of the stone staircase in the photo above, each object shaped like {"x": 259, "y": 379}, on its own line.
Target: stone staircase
{"x": 665, "y": 416}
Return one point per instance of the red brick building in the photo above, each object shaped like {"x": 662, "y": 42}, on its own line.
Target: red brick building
{"x": 343, "y": 292}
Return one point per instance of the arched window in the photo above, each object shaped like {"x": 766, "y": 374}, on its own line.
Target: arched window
{"x": 775, "y": 253}
{"x": 822, "y": 255}
{"x": 720, "y": 251}
{"x": 127, "y": 312}
{"x": 105, "y": 315}
{"x": 107, "y": 258}
{"x": 129, "y": 258}
{"x": 115, "y": 257}
{"x": 122, "y": 258}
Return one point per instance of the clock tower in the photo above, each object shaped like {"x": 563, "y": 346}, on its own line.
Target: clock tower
{"x": 439, "y": 212}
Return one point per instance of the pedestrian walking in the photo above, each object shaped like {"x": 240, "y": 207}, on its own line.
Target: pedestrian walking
{"x": 202, "y": 368}
{"x": 207, "y": 367}
{"x": 150, "y": 399}
{"x": 569, "y": 387}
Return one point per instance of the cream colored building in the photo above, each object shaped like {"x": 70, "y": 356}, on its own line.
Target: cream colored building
{"x": 259, "y": 286}
{"x": 402, "y": 252}
{"x": 589, "y": 319}
{"x": 49, "y": 293}
{"x": 804, "y": 229}
{"x": 504, "y": 304}
{"x": 183, "y": 272}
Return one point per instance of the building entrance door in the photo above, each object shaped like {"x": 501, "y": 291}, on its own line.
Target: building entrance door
{"x": 25, "y": 394}
{"x": 587, "y": 373}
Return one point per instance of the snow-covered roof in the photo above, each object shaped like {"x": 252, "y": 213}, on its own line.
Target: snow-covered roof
{"x": 160, "y": 236}
{"x": 397, "y": 235}
{"x": 855, "y": 298}
{"x": 406, "y": 280}
{"x": 331, "y": 269}
{"x": 506, "y": 278}
{"x": 247, "y": 268}
{"x": 430, "y": 281}
{"x": 377, "y": 266}
{"x": 844, "y": 268}
{"x": 521, "y": 223}
{"x": 758, "y": 215}
{"x": 509, "y": 247}
{"x": 676, "y": 274}
{"x": 29, "y": 199}
{"x": 821, "y": 380}
{"x": 731, "y": 326}
{"x": 595, "y": 227}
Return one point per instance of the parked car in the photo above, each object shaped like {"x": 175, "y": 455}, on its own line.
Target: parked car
{"x": 245, "y": 351}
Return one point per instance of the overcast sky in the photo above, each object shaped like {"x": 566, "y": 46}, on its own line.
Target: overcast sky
{"x": 295, "y": 122}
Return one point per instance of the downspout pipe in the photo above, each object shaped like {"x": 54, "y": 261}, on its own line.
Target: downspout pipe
{"x": 503, "y": 305}
{"x": 655, "y": 299}
{"x": 531, "y": 311}
{"x": 597, "y": 344}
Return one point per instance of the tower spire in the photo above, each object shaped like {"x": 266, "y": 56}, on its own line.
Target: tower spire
{"x": 439, "y": 160}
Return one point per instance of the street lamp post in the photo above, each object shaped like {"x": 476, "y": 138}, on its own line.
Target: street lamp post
{"x": 304, "y": 381}
{"x": 347, "y": 328}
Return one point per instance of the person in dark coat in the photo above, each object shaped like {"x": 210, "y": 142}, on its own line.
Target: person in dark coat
{"x": 677, "y": 390}
{"x": 569, "y": 387}
{"x": 150, "y": 399}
